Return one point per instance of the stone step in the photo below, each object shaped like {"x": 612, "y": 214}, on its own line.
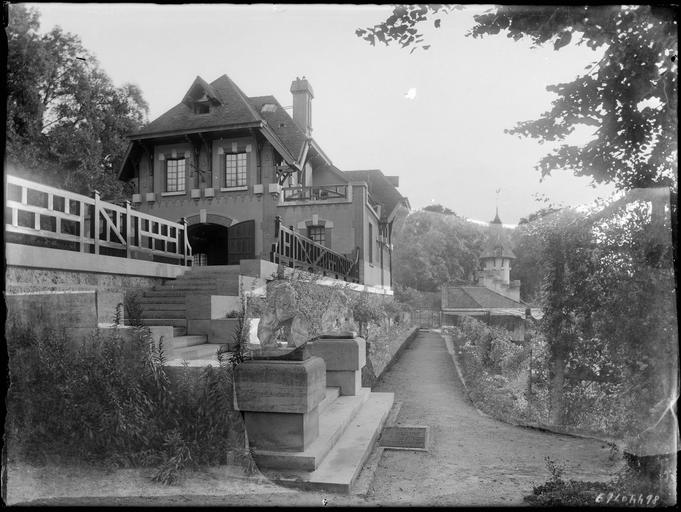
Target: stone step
{"x": 163, "y": 293}
{"x": 179, "y": 331}
{"x": 203, "y": 351}
{"x": 340, "y": 468}
{"x": 173, "y": 322}
{"x": 163, "y": 313}
{"x": 188, "y": 341}
{"x": 186, "y": 287}
{"x": 174, "y": 299}
{"x": 213, "y": 269}
{"x": 205, "y": 278}
{"x": 331, "y": 394}
{"x": 332, "y": 422}
{"x": 164, "y": 306}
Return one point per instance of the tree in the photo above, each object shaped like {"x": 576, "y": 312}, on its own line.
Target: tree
{"x": 438, "y": 208}
{"x": 433, "y": 249}
{"x": 629, "y": 95}
{"x": 66, "y": 121}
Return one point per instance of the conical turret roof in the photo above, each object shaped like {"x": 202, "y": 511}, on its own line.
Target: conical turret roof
{"x": 497, "y": 245}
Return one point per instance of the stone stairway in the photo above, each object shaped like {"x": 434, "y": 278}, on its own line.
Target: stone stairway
{"x": 170, "y": 303}
{"x": 310, "y": 422}
{"x": 348, "y": 429}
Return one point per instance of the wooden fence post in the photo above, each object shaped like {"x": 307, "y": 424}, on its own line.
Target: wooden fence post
{"x": 128, "y": 229}
{"x": 185, "y": 242}
{"x": 96, "y": 222}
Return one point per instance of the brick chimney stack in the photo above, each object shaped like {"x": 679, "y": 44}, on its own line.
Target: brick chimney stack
{"x": 302, "y": 99}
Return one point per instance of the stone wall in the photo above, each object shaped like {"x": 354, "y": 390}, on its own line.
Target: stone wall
{"x": 383, "y": 350}
{"x": 110, "y": 288}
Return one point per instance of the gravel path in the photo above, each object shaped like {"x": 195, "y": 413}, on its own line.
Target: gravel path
{"x": 473, "y": 459}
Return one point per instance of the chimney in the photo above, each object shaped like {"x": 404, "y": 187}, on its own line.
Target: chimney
{"x": 302, "y": 97}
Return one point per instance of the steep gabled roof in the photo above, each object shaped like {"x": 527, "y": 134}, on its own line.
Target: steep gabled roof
{"x": 478, "y": 297}
{"x": 198, "y": 88}
{"x": 233, "y": 109}
{"x": 280, "y": 122}
{"x": 381, "y": 189}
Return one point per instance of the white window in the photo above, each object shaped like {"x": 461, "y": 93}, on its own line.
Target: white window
{"x": 236, "y": 169}
{"x": 175, "y": 174}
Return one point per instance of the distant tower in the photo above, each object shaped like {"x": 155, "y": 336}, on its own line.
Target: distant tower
{"x": 495, "y": 262}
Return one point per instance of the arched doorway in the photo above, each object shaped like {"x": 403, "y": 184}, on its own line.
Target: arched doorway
{"x": 210, "y": 243}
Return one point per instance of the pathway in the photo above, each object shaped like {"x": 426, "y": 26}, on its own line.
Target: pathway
{"x": 473, "y": 459}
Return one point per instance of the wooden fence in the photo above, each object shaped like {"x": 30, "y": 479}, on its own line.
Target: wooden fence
{"x": 297, "y": 251}
{"x": 90, "y": 225}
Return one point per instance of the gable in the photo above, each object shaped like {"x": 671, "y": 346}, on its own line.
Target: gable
{"x": 230, "y": 108}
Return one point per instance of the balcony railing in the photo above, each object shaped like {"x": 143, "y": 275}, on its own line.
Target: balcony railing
{"x": 66, "y": 220}
{"x": 297, "y": 251}
{"x": 319, "y": 193}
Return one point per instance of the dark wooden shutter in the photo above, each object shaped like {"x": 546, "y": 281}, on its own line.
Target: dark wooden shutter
{"x": 241, "y": 242}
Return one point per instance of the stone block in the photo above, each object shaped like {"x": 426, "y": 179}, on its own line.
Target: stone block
{"x": 221, "y": 305}
{"x": 257, "y": 268}
{"x": 198, "y": 326}
{"x": 55, "y": 309}
{"x": 282, "y": 431}
{"x": 340, "y": 354}
{"x": 197, "y": 307}
{"x": 200, "y": 306}
{"x": 222, "y": 330}
{"x": 280, "y": 386}
{"x": 349, "y": 382}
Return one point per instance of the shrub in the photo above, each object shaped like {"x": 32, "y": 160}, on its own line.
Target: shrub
{"x": 625, "y": 488}
{"x": 110, "y": 400}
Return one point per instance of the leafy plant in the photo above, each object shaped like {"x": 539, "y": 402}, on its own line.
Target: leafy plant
{"x": 111, "y": 400}
{"x": 133, "y": 307}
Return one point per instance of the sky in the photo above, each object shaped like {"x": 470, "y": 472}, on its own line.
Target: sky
{"x": 434, "y": 118}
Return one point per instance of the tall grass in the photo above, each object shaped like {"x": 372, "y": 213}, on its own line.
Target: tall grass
{"x": 110, "y": 399}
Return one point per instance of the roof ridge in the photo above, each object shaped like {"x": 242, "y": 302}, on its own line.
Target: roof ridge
{"x": 241, "y": 95}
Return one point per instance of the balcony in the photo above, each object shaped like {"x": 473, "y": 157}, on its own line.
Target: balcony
{"x": 297, "y": 251}
{"x": 322, "y": 193}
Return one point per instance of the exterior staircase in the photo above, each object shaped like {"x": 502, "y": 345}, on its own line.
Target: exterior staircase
{"x": 348, "y": 429}
{"x": 167, "y": 305}
{"x": 349, "y": 424}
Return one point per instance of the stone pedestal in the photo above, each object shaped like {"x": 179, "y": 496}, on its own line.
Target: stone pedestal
{"x": 344, "y": 360}
{"x": 279, "y": 400}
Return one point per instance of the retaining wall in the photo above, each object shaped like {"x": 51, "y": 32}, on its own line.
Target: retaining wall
{"x": 39, "y": 271}
{"x": 383, "y": 351}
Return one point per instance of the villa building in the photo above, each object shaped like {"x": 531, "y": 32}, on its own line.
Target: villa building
{"x": 252, "y": 183}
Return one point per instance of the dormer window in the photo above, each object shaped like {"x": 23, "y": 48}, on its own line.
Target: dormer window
{"x": 202, "y": 104}
{"x": 202, "y": 107}
{"x": 201, "y": 97}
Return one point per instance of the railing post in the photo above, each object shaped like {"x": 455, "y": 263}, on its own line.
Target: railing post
{"x": 128, "y": 229}
{"x": 81, "y": 209}
{"x": 96, "y": 222}
{"x": 277, "y": 225}
{"x": 185, "y": 241}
